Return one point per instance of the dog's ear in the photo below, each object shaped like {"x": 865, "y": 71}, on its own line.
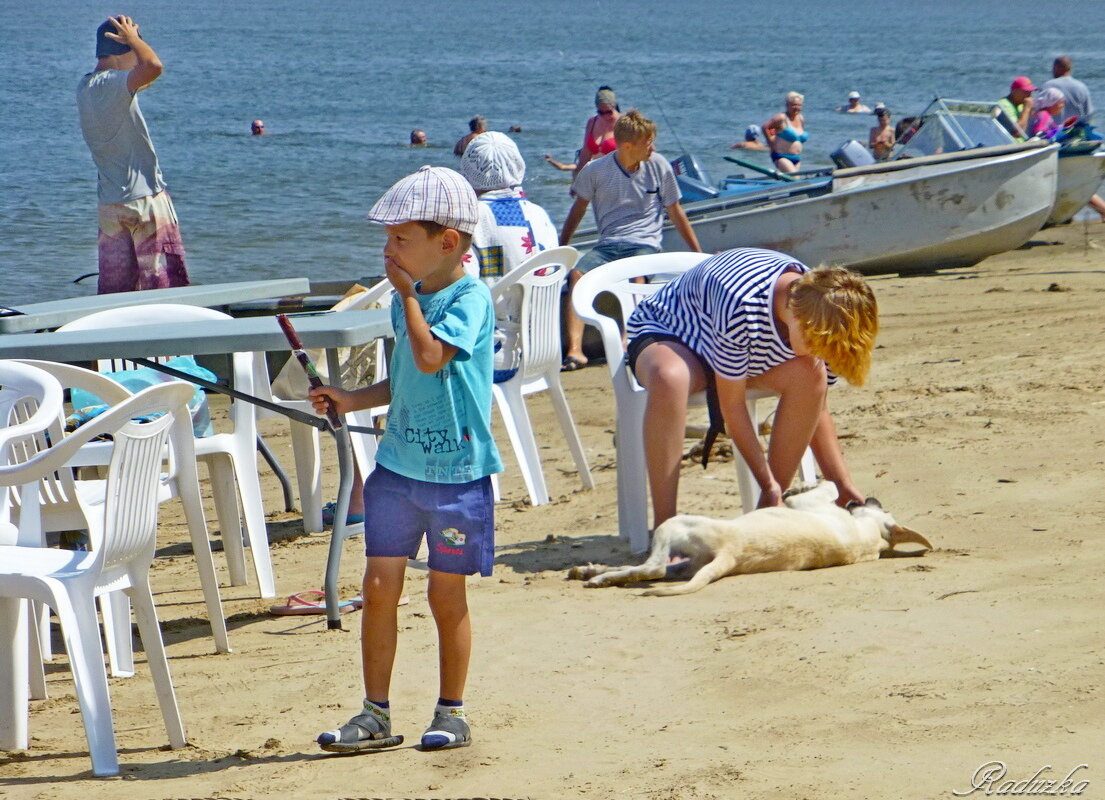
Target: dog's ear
{"x": 871, "y": 501}
{"x": 899, "y": 534}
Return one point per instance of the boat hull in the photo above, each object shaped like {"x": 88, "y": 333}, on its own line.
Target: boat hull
{"x": 1078, "y": 180}
{"x": 914, "y": 215}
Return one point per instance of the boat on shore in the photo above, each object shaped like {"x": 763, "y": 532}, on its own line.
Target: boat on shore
{"x": 911, "y": 215}
{"x": 1081, "y": 171}
{"x": 950, "y": 125}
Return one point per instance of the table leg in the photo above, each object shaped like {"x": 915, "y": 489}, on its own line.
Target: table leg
{"x": 278, "y": 471}
{"x": 341, "y": 510}
{"x": 338, "y": 534}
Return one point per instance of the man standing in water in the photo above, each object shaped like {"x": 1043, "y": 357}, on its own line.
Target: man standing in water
{"x": 139, "y": 240}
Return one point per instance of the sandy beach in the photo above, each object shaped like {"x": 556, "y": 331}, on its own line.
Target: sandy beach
{"x": 983, "y": 427}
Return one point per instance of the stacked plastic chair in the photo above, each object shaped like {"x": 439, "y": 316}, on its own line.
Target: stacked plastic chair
{"x": 231, "y": 458}
{"x": 121, "y": 551}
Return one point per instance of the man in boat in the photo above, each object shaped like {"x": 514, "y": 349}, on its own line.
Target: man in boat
{"x": 1078, "y": 104}
{"x": 139, "y": 240}
{"x": 1018, "y": 103}
{"x": 1075, "y": 93}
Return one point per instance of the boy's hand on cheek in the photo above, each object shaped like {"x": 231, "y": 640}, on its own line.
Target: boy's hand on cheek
{"x": 399, "y": 278}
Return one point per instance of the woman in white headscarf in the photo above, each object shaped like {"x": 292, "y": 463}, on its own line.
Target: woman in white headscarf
{"x": 511, "y": 228}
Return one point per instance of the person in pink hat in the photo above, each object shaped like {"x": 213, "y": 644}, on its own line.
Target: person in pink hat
{"x": 1047, "y": 113}
{"x": 1018, "y": 103}
{"x": 434, "y": 462}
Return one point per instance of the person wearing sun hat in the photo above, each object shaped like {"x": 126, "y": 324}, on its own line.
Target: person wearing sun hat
{"x": 510, "y": 231}
{"x": 1047, "y": 113}
{"x": 139, "y": 240}
{"x": 854, "y": 105}
{"x": 434, "y": 461}
{"x": 1018, "y": 103}
{"x": 510, "y": 228}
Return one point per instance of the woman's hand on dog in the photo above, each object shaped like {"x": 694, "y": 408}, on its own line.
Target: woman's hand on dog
{"x": 770, "y": 496}
{"x": 847, "y": 493}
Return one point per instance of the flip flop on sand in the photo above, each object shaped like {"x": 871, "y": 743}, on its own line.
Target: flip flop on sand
{"x": 571, "y": 364}
{"x": 312, "y": 601}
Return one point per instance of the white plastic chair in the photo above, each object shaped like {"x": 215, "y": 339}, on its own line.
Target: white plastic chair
{"x": 30, "y": 405}
{"x": 231, "y": 458}
{"x": 73, "y": 505}
{"x": 305, "y": 438}
{"x": 616, "y": 278}
{"x": 536, "y": 320}
{"x": 68, "y": 581}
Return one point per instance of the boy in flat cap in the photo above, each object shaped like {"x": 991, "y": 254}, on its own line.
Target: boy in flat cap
{"x": 433, "y": 465}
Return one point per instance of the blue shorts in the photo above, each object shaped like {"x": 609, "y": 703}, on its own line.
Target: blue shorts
{"x": 458, "y": 520}
{"x": 612, "y": 251}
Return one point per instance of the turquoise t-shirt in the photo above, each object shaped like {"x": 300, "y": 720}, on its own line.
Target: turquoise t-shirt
{"x": 439, "y": 425}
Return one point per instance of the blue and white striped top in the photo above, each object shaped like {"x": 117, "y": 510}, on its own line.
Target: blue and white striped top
{"x": 721, "y": 309}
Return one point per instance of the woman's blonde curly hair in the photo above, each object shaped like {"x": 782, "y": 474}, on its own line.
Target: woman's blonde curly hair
{"x": 839, "y": 318}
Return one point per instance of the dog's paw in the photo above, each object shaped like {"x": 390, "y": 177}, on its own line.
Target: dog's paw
{"x": 582, "y": 572}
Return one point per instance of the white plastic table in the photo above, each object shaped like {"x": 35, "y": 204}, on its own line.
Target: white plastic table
{"x": 53, "y": 314}
{"x": 327, "y": 330}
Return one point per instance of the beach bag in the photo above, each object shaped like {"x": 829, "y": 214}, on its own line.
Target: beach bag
{"x": 358, "y": 364}
{"x": 88, "y": 406}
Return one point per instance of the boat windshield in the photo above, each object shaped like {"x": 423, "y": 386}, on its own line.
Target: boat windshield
{"x": 947, "y": 126}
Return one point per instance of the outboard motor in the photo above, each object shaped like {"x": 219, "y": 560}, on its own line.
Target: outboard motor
{"x": 852, "y": 154}
{"x": 694, "y": 183}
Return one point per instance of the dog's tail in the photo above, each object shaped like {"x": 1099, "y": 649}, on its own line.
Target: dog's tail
{"x": 722, "y": 565}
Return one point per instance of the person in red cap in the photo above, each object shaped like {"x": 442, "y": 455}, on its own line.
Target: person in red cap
{"x": 1018, "y": 103}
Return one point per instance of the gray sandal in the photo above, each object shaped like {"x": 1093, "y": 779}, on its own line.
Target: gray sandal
{"x": 445, "y": 732}
{"x": 366, "y": 731}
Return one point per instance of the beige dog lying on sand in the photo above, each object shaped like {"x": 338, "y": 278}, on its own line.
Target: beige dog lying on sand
{"x": 809, "y": 533}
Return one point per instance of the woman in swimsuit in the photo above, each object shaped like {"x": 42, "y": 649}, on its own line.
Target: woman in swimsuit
{"x": 598, "y": 136}
{"x": 785, "y": 133}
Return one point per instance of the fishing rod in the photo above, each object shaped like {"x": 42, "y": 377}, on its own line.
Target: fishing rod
{"x": 667, "y": 121}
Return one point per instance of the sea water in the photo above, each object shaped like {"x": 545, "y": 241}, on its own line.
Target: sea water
{"x": 340, "y": 85}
